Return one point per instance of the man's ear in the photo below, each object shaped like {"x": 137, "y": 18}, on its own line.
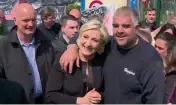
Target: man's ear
{"x": 145, "y": 16}
{"x": 14, "y": 20}
{"x": 62, "y": 28}
{"x": 137, "y": 26}
{"x": 44, "y": 18}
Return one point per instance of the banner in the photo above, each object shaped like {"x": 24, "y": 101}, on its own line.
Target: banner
{"x": 85, "y": 4}
{"x": 60, "y": 11}
{"x": 107, "y": 12}
{"x": 134, "y": 4}
{"x": 93, "y": 11}
{"x": 9, "y": 5}
{"x": 108, "y": 19}
{"x": 9, "y": 8}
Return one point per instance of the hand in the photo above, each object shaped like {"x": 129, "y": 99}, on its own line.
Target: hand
{"x": 82, "y": 100}
{"x": 68, "y": 58}
{"x": 92, "y": 97}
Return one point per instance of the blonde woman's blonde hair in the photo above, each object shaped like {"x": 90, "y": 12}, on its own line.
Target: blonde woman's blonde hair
{"x": 95, "y": 24}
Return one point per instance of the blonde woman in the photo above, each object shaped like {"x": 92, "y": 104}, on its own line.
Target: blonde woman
{"x": 85, "y": 84}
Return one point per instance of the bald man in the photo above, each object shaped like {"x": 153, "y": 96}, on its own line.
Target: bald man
{"x": 26, "y": 55}
{"x": 76, "y": 13}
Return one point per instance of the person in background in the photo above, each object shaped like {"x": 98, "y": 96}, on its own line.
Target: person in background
{"x": 74, "y": 10}
{"x": 164, "y": 44}
{"x": 145, "y": 35}
{"x": 49, "y": 27}
{"x": 3, "y": 27}
{"x": 97, "y": 17}
{"x": 69, "y": 28}
{"x": 150, "y": 19}
{"x": 84, "y": 85}
{"x": 145, "y": 27}
{"x": 172, "y": 19}
{"x": 168, "y": 27}
{"x": 76, "y": 13}
{"x": 170, "y": 77}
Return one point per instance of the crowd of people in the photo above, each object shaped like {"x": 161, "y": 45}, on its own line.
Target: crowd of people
{"x": 74, "y": 63}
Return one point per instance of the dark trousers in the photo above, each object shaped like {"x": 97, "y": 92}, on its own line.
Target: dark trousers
{"x": 39, "y": 100}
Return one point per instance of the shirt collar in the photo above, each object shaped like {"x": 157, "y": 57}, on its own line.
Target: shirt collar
{"x": 66, "y": 38}
{"x": 22, "y": 43}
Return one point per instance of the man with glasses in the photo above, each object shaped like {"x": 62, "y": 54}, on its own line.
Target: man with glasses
{"x": 49, "y": 27}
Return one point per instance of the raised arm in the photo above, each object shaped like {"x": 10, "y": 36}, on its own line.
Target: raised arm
{"x": 71, "y": 54}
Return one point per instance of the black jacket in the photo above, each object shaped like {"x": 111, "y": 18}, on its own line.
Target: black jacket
{"x": 64, "y": 88}
{"x": 144, "y": 24}
{"x": 169, "y": 86}
{"x": 61, "y": 38}
{"x": 14, "y": 64}
{"x": 52, "y": 33}
{"x": 11, "y": 93}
